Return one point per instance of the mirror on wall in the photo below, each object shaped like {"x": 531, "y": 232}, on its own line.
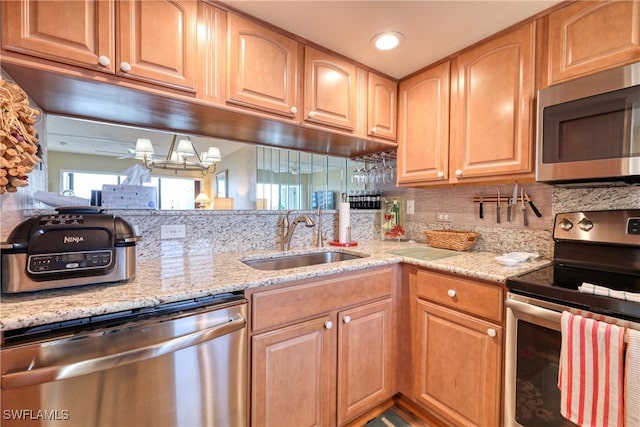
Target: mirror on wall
{"x": 83, "y": 155}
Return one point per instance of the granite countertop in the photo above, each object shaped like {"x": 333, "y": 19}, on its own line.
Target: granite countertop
{"x": 173, "y": 279}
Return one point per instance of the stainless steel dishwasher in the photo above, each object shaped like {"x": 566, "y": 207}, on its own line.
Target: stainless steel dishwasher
{"x": 180, "y": 364}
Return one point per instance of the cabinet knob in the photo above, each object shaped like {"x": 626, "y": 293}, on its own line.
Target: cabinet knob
{"x": 294, "y": 110}
{"x": 440, "y": 174}
{"x": 328, "y": 324}
{"x": 346, "y": 319}
{"x": 451, "y": 293}
{"x": 125, "y": 66}
{"x": 373, "y": 130}
{"x": 312, "y": 114}
{"x": 458, "y": 172}
{"x": 104, "y": 61}
{"x": 492, "y": 332}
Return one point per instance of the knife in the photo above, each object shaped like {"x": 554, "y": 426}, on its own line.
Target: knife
{"x": 515, "y": 200}
{"x": 524, "y": 208}
{"x": 508, "y": 209}
{"x": 533, "y": 207}
{"x": 498, "y": 208}
{"x": 481, "y": 209}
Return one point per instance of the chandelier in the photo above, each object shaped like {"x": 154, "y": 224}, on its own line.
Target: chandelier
{"x": 182, "y": 156}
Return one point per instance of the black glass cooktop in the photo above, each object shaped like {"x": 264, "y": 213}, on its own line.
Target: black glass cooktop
{"x": 559, "y": 284}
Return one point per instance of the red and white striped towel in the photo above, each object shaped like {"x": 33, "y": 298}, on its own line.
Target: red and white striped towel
{"x": 590, "y": 376}
{"x": 632, "y": 379}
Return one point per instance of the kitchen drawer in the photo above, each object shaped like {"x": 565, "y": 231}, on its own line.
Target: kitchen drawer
{"x": 284, "y": 305}
{"x": 477, "y": 298}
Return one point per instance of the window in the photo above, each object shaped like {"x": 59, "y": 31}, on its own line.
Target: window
{"x": 173, "y": 193}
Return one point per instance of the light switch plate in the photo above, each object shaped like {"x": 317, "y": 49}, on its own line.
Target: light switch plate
{"x": 175, "y": 231}
{"x": 410, "y": 207}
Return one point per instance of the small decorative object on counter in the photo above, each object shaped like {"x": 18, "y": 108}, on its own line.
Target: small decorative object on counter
{"x": 392, "y": 219}
{"x": 19, "y": 148}
{"x": 454, "y": 240}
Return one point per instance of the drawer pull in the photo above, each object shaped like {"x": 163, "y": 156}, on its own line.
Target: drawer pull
{"x": 492, "y": 332}
{"x": 346, "y": 319}
{"x": 294, "y": 110}
{"x": 451, "y": 293}
{"x": 328, "y": 324}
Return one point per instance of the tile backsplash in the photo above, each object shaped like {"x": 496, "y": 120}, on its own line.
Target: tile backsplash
{"x": 227, "y": 231}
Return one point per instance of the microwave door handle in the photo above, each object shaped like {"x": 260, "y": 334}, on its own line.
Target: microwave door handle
{"x": 84, "y": 367}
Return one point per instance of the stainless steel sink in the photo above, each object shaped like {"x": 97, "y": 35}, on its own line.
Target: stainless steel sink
{"x": 301, "y": 260}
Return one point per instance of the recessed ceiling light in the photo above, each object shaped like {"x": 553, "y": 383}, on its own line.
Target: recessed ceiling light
{"x": 388, "y": 40}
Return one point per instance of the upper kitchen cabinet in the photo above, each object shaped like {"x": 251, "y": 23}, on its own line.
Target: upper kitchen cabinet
{"x": 492, "y": 95}
{"x": 382, "y": 96}
{"x": 586, "y": 37}
{"x": 423, "y": 126}
{"x": 212, "y": 53}
{"x": 43, "y": 29}
{"x": 157, "y": 41}
{"x": 330, "y": 93}
{"x": 263, "y": 68}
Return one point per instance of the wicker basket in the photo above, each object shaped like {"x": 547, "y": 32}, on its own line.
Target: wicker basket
{"x": 455, "y": 240}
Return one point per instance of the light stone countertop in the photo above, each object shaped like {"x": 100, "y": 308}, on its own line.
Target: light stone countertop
{"x": 165, "y": 280}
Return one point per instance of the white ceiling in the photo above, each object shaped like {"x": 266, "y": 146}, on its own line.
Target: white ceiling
{"x": 433, "y": 29}
{"x": 88, "y": 137}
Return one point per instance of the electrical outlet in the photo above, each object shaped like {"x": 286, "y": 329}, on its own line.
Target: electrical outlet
{"x": 410, "y": 207}
{"x": 443, "y": 217}
{"x": 176, "y": 231}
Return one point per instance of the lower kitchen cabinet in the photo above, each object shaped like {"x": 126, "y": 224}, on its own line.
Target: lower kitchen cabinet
{"x": 365, "y": 337}
{"x": 322, "y": 350}
{"x": 457, "y": 354}
{"x": 292, "y": 370}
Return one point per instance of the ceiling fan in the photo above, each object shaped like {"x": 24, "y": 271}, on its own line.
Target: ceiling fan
{"x": 129, "y": 155}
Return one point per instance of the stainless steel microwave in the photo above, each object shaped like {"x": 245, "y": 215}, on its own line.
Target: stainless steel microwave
{"x": 588, "y": 129}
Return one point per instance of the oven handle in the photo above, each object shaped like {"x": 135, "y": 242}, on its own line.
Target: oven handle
{"x": 535, "y": 311}
{"x": 84, "y": 367}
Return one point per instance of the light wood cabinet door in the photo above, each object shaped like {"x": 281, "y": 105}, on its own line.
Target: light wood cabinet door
{"x": 293, "y": 375}
{"x": 263, "y": 68}
{"x": 365, "y": 361}
{"x": 491, "y": 108}
{"x": 423, "y": 126}
{"x": 212, "y": 53}
{"x": 457, "y": 365}
{"x": 329, "y": 90}
{"x": 75, "y": 32}
{"x": 590, "y": 36}
{"x": 382, "y": 96}
{"x": 157, "y": 42}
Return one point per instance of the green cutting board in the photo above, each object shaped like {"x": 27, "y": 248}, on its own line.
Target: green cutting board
{"x": 426, "y": 254}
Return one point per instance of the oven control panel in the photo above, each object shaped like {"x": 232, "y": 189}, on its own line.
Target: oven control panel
{"x": 615, "y": 227}
{"x": 69, "y": 261}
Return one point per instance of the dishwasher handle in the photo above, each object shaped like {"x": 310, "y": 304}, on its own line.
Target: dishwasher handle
{"x": 84, "y": 367}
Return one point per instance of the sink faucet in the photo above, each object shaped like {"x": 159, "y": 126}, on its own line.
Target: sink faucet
{"x": 320, "y": 241}
{"x": 289, "y": 228}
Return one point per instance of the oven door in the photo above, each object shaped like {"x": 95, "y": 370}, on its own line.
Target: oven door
{"x": 533, "y": 340}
